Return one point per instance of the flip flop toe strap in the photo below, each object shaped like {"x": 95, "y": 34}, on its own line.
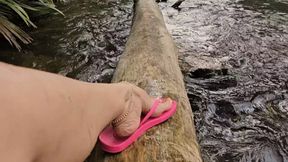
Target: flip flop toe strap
{"x": 151, "y": 111}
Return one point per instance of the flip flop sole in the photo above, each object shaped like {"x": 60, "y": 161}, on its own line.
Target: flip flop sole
{"x": 113, "y": 144}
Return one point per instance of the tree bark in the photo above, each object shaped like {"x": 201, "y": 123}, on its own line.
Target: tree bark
{"x": 150, "y": 61}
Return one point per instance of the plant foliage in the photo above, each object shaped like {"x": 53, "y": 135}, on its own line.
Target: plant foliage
{"x": 13, "y": 10}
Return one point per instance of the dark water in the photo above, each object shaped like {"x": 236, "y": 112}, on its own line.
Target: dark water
{"x": 85, "y": 44}
{"x": 233, "y": 54}
{"x": 240, "y": 100}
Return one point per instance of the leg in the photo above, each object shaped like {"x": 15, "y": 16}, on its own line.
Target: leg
{"x": 47, "y": 117}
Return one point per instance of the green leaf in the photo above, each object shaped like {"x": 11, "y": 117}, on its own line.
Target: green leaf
{"x": 19, "y": 10}
{"x": 10, "y": 8}
{"x": 11, "y": 32}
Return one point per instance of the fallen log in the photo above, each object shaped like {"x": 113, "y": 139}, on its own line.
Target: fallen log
{"x": 150, "y": 61}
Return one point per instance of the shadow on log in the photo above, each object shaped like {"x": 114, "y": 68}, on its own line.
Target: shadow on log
{"x": 150, "y": 61}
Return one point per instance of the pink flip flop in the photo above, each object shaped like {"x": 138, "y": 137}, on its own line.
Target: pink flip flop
{"x": 113, "y": 144}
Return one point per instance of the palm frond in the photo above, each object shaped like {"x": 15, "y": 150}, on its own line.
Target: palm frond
{"x": 48, "y": 4}
{"x": 11, "y": 8}
{"x": 25, "y": 6}
{"x": 19, "y": 10}
{"x": 11, "y": 32}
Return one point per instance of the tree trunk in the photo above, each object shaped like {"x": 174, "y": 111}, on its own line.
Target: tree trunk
{"x": 150, "y": 61}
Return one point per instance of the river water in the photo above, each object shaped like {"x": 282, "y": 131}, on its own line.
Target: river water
{"x": 85, "y": 44}
{"x": 240, "y": 99}
{"x": 233, "y": 54}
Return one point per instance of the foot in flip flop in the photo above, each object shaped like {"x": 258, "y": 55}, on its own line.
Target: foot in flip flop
{"x": 127, "y": 127}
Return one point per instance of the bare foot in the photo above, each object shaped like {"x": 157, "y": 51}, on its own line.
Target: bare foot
{"x": 138, "y": 101}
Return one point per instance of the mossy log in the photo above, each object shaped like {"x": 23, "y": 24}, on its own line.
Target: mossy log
{"x": 150, "y": 61}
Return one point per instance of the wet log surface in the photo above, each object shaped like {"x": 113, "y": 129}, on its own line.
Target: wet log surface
{"x": 150, "y": 61}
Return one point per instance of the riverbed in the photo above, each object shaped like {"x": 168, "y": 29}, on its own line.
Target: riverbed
{"x": 233, "y": 54}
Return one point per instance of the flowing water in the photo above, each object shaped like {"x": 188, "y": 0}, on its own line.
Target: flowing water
{"x": 233, "y": 54}
{"x": 85, "y": 44}
{"x": 240, "y": 99}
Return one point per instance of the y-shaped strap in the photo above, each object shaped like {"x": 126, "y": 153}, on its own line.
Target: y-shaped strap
{"x": 152, "y": 110}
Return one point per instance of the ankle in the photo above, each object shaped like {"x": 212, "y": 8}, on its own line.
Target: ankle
{"x": 120, "y": 118}
{"x": 104, "y": 103}
{"x": 124, "y": 94}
